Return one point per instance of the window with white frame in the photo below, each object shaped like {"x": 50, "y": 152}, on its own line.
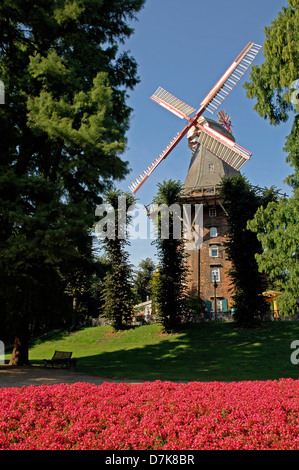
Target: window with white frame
{"x": 213, "y": 232}
{"x": 214, "y": 251}
{"x": 212, "y": 211}
{"x": 215, "y": 275}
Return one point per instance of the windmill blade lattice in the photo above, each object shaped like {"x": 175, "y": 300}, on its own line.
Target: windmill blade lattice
{"x": 135, "y": 185}
{"x": 224, "y": 148}
{"x": 173, "y": 104}
{"x": 232, "y": 76}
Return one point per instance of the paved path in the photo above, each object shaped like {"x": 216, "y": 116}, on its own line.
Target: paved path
{"x": 35, "y": 375}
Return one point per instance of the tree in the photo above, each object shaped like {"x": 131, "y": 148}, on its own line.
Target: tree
{"x": 143, "y": 280}
{"x": 62, "y": 131}
{"x": 241, "y": 202}
{"x": 170, "y": 295}
{"x": 277, "y": 230}
{"x": 273, "y": 85}
{"x": 117, "y": 292}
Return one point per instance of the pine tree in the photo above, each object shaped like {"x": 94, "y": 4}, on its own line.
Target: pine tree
{"x": 170, "y": 295}
{"x": 143, "y": 280}
{"x": 117, "y": 292}
{"x": 62, "y": 133}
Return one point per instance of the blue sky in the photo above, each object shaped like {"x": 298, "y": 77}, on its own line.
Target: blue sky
{"x": 185, "y": 47}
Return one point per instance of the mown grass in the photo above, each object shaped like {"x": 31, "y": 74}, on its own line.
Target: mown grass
{"x": 202, "y": 352}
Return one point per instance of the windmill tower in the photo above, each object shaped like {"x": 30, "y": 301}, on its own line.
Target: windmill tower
{"x": 209, "y": 263}
{"x": 215, "y": 154}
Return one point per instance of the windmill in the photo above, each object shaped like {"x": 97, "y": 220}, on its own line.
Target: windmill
{"x": 227, "y": 150}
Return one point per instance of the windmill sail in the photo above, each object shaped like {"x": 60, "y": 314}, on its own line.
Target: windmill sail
{"x": 135, "y": 185}
{"x": 232, "y": 76}
{"x": 173, "y": 104}
{"x": 224, "y": 148}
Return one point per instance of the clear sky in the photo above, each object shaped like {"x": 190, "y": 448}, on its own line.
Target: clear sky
{"x": 185, "y": 47}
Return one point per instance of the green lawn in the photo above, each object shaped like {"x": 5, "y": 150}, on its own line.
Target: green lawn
{"x": 204, "y": 352}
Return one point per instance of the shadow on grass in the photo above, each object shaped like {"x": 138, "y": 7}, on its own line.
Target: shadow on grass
{"x": 204, "y": 352}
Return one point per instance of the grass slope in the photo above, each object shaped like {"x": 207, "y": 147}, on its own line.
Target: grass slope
{"x": 203, "y": 352}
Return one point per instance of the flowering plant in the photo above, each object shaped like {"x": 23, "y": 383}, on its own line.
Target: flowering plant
{"x": 151, "y": 416}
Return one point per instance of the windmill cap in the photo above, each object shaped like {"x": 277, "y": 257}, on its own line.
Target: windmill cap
{"x": 219, "y": 128}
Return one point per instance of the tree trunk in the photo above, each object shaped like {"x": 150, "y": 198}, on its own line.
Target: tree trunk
{"x": 20, "y": 356}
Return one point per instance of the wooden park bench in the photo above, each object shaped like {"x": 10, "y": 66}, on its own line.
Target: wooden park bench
{"x": 61, "y": 357}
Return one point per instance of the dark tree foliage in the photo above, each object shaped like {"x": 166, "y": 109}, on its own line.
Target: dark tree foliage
{"x": 170, "y": 295}
{"x": 241, "y": 201}
{"x": 62, "y": 131}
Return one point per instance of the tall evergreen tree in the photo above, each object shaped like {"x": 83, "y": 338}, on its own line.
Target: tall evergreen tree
{"x": 117, "y": 292}
{"x": 273, "y": 84}
{"x": 143, "y": 280}
{"x": 62, "y": 131}
{"x": 241, "y": 202}
{"x": 170, "y": 295}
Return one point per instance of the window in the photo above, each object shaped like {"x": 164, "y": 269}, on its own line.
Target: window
{"x": 218, "y": 303}
{"x": 213, "y": 232}
{"x": 214, "y": 251}
{"x": 212, "y": 211}
{"x": 215, "y": 275}
{"x": 211, "y": 166}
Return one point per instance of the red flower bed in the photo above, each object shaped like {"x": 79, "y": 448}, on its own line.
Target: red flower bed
{"x": 158, "y": 415}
